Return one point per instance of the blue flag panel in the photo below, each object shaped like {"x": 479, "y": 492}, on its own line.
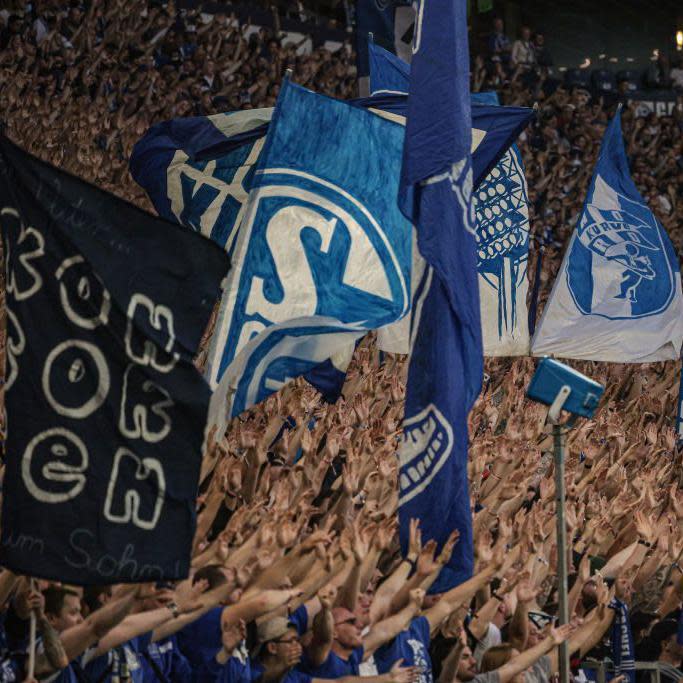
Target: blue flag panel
{"x": 389, "y": 74}
{"x": 322, "y": 237}
{"x": 446, "y": 364}
{"x": 617, "y": 296}
{"x": 189, "y": 184}
{"x": 106, "y": 413}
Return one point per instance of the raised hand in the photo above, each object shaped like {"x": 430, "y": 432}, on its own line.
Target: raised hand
{"x": 402, "y": 674}
{"x": 562, "y": 633}
{"x": 527, "y": 592}
{"x": 447, "y": 550}
{"x": 414, "y": 539}
{"x": 426, "y": 563}
{"x": 327, "y": 596}
{"x": 416, "y": 598}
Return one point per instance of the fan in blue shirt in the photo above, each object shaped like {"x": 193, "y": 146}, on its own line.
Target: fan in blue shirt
{"x": 412, "y": 646}
{"x": 116, "y": 662}
{"x": 163, "y": 660}
{"x": 280, "y": 651}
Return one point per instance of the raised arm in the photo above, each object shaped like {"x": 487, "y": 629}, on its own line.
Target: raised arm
{"x": 391, "y": 586}
{"x": 524, "y": 660}
{"x": 519, "y": 626}
{"x": 387, "y": 630}
{"x": 462, "y": 593}
{"x": 78, "y": 639}
{"x": 323, "y": 628}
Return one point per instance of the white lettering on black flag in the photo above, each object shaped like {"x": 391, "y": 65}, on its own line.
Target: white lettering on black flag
{"x": 106, "y": 412}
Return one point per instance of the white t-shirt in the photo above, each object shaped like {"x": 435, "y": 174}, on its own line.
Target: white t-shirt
{"x": 491, "y": 637}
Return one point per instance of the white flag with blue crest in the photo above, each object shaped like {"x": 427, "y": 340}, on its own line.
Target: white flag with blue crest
{"x": 617, "y": 296}
{"x": 323, "y": 252}
{"x": 502, "y": 229}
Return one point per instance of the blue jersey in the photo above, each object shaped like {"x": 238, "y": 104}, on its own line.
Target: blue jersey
{"x": 236, "y": 670}
{"x": 11, "y": 669}
{"x": 128, "y": 655}
{"x": 299, "y": 620}
{"x": 412, "y": 646}
{"x": 200, "y": 640}
{"x": 168, "y": 659}
{"x": 292, "y": 676}
{"x": 334, "y": 666}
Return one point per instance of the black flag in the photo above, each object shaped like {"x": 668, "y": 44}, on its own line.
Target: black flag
{"x": 106, "y": 413}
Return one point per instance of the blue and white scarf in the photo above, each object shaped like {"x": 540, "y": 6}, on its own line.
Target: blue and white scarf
{"x": 623, "y": 654}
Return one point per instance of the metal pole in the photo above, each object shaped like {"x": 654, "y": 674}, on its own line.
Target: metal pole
{"x": 32, "y": 638}
{"x": 559, "y": 438}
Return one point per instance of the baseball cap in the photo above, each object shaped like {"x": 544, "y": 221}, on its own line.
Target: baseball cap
{"x": 270, "y": 630}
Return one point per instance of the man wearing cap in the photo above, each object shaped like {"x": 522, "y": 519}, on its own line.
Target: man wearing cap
{"x": 279, "y": 651}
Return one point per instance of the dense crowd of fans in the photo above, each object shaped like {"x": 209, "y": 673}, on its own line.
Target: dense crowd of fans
{"x": 297, "y": 573}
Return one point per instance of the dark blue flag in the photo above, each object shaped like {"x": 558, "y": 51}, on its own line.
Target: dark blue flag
{"x": 106, "y": 413}
{"x": 376, "y": 17}
{"x": 389, "y": 74}
{"x": 446, "y": 365}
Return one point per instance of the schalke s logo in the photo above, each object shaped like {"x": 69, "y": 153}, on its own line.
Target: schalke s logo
{"x": 427, "y": 443}
{"x": 308, "y": 248}
{"x": 618, "y": 263}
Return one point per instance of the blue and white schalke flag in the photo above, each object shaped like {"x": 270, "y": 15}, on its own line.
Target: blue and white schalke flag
{"x": 323, "y": 252}
{"x": 617, "y": 296}
{"x": 198, "y": 171}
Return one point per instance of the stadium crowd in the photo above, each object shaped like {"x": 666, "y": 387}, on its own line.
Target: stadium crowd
{"x": 297, "y": 573}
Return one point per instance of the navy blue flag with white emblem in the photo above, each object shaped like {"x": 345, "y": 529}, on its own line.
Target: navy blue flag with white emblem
{"x": 502, "y": 209}
{"x": 617, "y": 296}
{"x": 189, "y": 184}
{"x": 502, "y": 233}
{"x": 446, "y": 363}
{"x": 323, "y": 252}
{"x": 106, "y": 413}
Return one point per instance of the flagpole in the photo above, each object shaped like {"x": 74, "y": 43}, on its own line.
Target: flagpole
{"x": 560, "y": 507}
{"x": 559, "y": 440}
{"x": 32, "y": 637}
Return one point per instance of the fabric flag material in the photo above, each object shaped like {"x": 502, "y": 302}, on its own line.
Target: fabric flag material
{"x": 502, "y": 235}
{"x": 191, "y": 167}
{"x": 446, "y": 363}
{"x": 502, "y": 208}
{"x": 617, "y": 296}
{"x": 106, "y": 413}
{"x": 389, "y": 74}
{"x": 323, "y": 253}
{"x": 188, "y": 183}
